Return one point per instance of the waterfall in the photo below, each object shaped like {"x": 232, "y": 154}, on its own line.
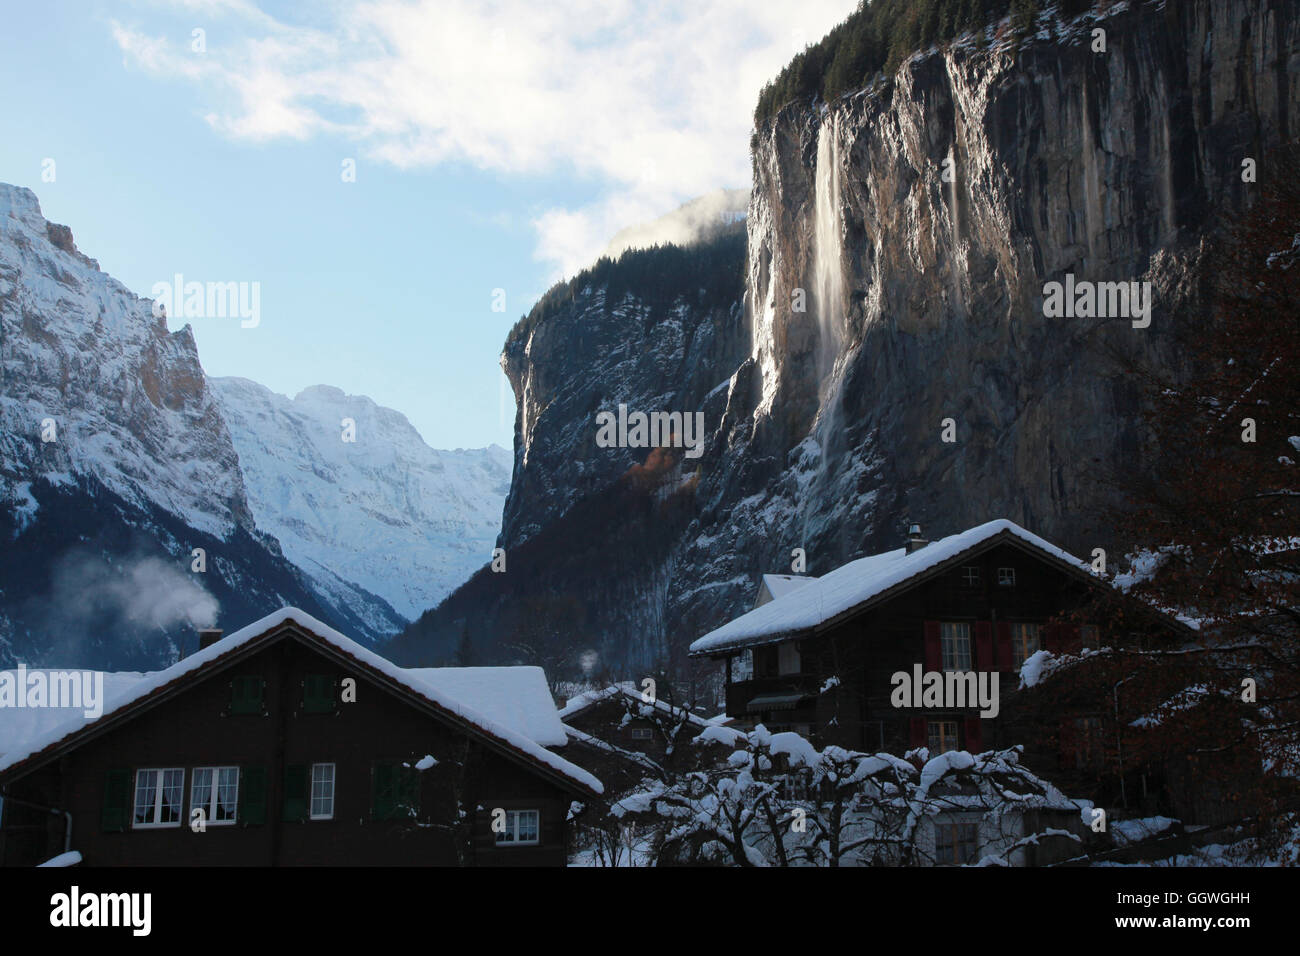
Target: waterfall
{"x": 828, "y": 263}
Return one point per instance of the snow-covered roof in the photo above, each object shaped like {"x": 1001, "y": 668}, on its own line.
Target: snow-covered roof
{"x": 779, "y": 585}
{"x": 19, "y": 724}
{"x": 629, "y": 690}
{"x": 515, "y": 697}
{"x": 860, "y": 582}
{"x": 435, "y": 691}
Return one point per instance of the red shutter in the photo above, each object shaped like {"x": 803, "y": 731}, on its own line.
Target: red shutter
{"x": 983, "y": 646}
{"x": 1072, "y": 641}
{"x": 1065, "y": 739}
{"x": 1051, "y": 634}
{"x": 974, "y": 735}
{"x": 1004, "y": 646}
{"x": 933, "y": 659}
{"x": 919, "y": 735}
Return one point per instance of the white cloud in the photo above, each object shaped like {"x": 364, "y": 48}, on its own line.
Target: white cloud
{"x": 650, "y": 103}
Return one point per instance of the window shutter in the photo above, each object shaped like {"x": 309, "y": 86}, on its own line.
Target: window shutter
{"x": 983, "y": 646}
{"x": 408, "y": 796}
{"x": 933, "y": 658}
{"x": 116, "y": 810}
{"x": 318, "y": 695}
{"x": 246, "y": 695}
{"x": 383, "y": 800}
{"x": 295, "y": 792}
{"x": 1051, "y": 634}
{"x": 1071, "y": 639}
{"x": 252, "y": 795}
{"x": 1065, "y": 739}
{"x": 974, "y": 735}
{"x": 1006, "y": 662}
{"x": 919, "y": 735}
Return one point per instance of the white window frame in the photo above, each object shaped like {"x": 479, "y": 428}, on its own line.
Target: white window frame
{"x": 955, "y": 646}
{"x": 1018, "y": 655}
{"x": 155, "y": 823}
{"x": 959, "y": 828}
{"x": 787, "y": 657}
{"x": 1006, "y": 577}
{"x": 311, "y": 791}
{"x": 209, "y": 805}
{"x": 970, "y": 576}
{"x": 742, "y": 666}
{"x": 942, "y": 723}
{"x": 510, "y": 835}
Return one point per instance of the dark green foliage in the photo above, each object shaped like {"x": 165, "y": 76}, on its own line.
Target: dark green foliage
{"x": 878, "y": 36}
{"x": 713, "y": 269}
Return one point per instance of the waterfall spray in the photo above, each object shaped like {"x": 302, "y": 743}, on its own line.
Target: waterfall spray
{"x": 827, "y": 251}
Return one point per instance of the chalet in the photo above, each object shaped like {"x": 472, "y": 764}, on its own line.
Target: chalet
{"x": 286, "y": 743}
{"x": 820, "y": 658}
{"x": 621, "y": 736}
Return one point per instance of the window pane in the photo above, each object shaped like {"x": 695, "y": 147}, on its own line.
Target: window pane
{"x": 955, "y": 642}
{"x": 146, "y": 782}
{"x": 172, "y": 788}
{"x": 528, "y": 826}
{"x": 227, "y": 793}
{"x": 322, "y": 790}
{"x": 1024, "y": 642}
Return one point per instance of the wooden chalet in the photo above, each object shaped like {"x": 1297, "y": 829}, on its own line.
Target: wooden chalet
{"x": 287, "y": 743}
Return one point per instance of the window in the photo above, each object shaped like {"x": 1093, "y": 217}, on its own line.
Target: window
{"x": 215, "y": 790}
{"x": 318, "y": 694}
{"x": 396, "y": 791}
{"x": 322, "y": 791}
{"x": 522, "y": 828}
{"x": 970, "y": 576}
{"x": 954, "y": 641}
{"x": 1024, "y": 643}
{"x": 941, "y": 736}
{"x": 788, "y": 659}
{"x": 1090, "y": 636}
{"x": 642, "y": 733}
{"x": 955, "y": 843}
{"x": 1006, "y": 577}
{"x": 794, "y": 787}
{"x": 742, "y": 666}
{"x": 246, "y": 695}
{"x": 158, "y": 797}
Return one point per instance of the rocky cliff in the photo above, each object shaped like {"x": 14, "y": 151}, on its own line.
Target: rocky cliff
{"x": 899, "y": 243}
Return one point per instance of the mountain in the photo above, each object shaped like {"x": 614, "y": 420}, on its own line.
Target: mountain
{"x": 900, "y": 240}
{"x": 385, "y": 512}
{"x": 115, "y": 464}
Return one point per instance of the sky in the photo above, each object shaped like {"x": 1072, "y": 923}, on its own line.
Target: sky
{"x": 401, "y": 180}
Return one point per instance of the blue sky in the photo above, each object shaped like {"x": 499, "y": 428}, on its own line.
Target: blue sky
{"x": 498, "y": 145}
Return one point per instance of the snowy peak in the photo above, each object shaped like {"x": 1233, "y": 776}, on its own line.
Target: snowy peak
{"x": 352, "y": 491}
{"x": 95, "y": 386}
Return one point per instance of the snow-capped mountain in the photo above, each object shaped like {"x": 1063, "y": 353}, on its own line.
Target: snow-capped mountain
{"x": 383, "y": 511}
{"x": 115, "y": 465}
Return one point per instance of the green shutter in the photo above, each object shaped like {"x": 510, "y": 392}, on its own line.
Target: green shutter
{"x": 117, "y": 801}
{"x": 408, "y": 791}
{"x": 383, "y": 799}
{"x": 318, "y": 695}
{"x": 252, "y": 795}
{"x": 295, "y": 792}
{"x": 246, "y": 695}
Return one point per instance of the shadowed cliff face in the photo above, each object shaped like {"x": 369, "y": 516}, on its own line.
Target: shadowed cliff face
{"x": 922, "y": 301}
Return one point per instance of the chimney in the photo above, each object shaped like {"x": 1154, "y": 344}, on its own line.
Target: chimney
{"x": 914, "y": 540}
{"x": 209, "y": 636}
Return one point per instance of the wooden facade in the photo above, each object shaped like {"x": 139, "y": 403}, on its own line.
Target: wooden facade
{"x": 277, "y": 708}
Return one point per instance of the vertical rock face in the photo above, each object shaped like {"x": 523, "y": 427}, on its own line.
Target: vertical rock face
{"x": 888, "y": 291}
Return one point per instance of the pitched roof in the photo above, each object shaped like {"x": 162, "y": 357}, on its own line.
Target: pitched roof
{"x": 628, "y": 689}
{"x": 418, "y": 683}
{"x": 860, "y": 583}
{"x": 515, "y": 697}
{"x": 779, "y": 585}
